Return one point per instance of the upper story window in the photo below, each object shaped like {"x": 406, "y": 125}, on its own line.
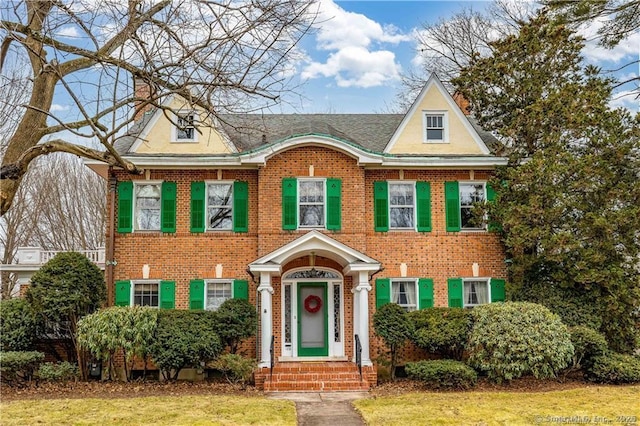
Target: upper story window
{"x": 461, "y": 198}
{"x": 435, "y": 125}
{"x": 184, "y": 129}
{"x": 219, "y": 206}
{"x": 147, "y": 206}
{"x": 470, "y": 194}
{"x": 311, "y": 203}
{"x": 402, "y": 205}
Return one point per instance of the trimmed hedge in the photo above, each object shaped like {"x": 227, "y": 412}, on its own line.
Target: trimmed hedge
{"x": 512, "y": 339}
{"x": 18, "y": 324}
{"x": 236, "y": 320}
{"x": 442, "y": 331}
{"x": 615, "y": 368}
{"x": 57, "y": 372}
{"x": 19, "y": 367}
{"x": 443, "y": 374}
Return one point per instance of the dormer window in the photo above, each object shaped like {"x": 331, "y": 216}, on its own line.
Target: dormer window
{"x": 435, "y": 127}
{"x": 184, "y": 128}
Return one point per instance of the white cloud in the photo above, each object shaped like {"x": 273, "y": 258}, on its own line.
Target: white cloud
{"x": 358, "y": 58}
{"x": 58, "y": 108}
{"x": 69, "y": 32}
{"x": 626, "y": 49}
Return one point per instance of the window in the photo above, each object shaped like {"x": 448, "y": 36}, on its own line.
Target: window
{"x": 146, "y": 294}
{"x": 217, "y": 293}
{"x": 404, "y": 294}
{"x": 219, "y": 206}
{"x": 460, "y": 200}
{"x": 470, "y": 194}
{"x": 435, "y": 127}
{"x": 147, "y": 206}
{"x": 469, "y": 292}
{"x": 159, "y": 294}
{"x": 311, "y": 203}
{"x": 185, "y": 130}
{"x": 401, "y": 205}
{"x": 476, "y": 292}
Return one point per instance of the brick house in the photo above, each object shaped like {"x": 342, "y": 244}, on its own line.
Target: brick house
{"x": 316, "y": 219}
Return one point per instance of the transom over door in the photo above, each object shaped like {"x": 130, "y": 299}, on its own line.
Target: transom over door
{"x": 312, "y": 319}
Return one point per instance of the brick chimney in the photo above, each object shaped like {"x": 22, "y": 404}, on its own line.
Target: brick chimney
{"x": 142, "y": 90}
{"x": 462, "y": 102}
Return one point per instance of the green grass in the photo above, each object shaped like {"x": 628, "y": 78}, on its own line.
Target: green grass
{"x": 192, "y": 410}
{"x": 593, "y": 404}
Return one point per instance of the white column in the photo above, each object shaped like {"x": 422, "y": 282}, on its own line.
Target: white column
{"x": 362, "y": 294}
{"x": 356, "y": 319}
{"x": 266, "y": 317}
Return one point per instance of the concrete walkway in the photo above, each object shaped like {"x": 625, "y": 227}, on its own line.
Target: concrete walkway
{"x": 328, "y": 408}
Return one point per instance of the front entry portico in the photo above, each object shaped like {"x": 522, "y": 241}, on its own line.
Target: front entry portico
{"x": 312, "y": 302}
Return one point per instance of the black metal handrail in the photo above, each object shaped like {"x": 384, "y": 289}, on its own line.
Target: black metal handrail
{"x": 272, "y": 361}
{"x": 359, "y": 355}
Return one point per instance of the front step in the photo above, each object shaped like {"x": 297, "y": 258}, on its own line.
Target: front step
{"x": 315, "y": 377}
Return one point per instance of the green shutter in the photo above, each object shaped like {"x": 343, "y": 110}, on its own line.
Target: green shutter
{"x": 423, "y": 195}
{"x": 196, "y": 294}
{"x": 455, "y": 292}
{"x": 198, "y": 194}
{"x": 241, "y": 289}
{"x": 240, "y": 207}
{"x": 168, "y": 207}
{"x": 383, "y": 291}
{"x": 125, "y": 206}
{"x": 425, "y": 291}
{"x": 452, "y": 206}
{"x": 123, "y": 293}
{"x": 381, "y": 206}
{"x": 334, "y": 204}
{"x": 167, "y": 294}
{"x": 497, "y": 290}
{"x": 491, "y": 197}
{"x": 289, "y": 203}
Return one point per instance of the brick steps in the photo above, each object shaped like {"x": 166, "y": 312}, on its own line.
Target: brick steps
{"x": 314, "y": 377}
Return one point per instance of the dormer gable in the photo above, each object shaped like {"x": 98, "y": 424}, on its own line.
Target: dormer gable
{"x": 435, "y": 125}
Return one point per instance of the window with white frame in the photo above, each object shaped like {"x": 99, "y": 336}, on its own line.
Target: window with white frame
{"x": 311, "y": 202}
{"x": 220, "y": 206}
{"x": 435, "y": 126}
{"x": 146, "y": 294}
{"x": 476, "y": 292}
{"x": 185, "y": 130}
{"x": 216, "y": 294}
{"x": 402, "y": 205}
{"x": 470, "y": 194}
{"x": 404, "y": 293}
{"x": 147, "y": 206}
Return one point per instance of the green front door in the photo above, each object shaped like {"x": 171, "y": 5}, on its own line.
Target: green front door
{"x": 312, "y": 319}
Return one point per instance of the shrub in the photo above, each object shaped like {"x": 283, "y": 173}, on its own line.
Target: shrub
{"x": 442, "y": 331}
{"x": 19, "y": 325}
{"x": 443, "y": 374}
{"x": 184, "y": 339}
{"x": 237, "y": 320}
{"x": 57, "y": 372}
{"x": 391, "y": 323}
{"x": 19, "y": 367}
{"x": 614, "y": 368}
{"x": 587, "y": 344}
{"x": 236, "y": 369}
{"x": 511, "y": 339}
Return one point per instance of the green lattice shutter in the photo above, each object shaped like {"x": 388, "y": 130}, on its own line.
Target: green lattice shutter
{"x": 125, "y": 206}
{"x": 497, "y": 290}
{"x": 452, "y": 206}
{"x": 198, "y": 194}
{"x": 425, "y": 290}
{"x": 289, "y": 203}
{"x": 381, "y": 206}
{"x": 455, "y": 292}
{"x": 240, "y": 207}
{"x": 241, "y": 289}
{"x": 167, "y": 294}
{"x": 423, "y": 195}
{"x": 123, "y": 293}
{"x": 196, "y": 294}
{"x": 334, "y": 204}
{"x": 168, "y": 207}
{"x": 383, "y": 291}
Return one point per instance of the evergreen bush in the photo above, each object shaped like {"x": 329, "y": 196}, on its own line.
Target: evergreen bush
{"x": 614, "y": 368}
{"x": 16, "y": 367}
{"x": 391, "y": 323}
{"x": 18, "y": 324}
{"x": 587, "y": 345}
{"x": 236, "y": 369}
{"x": 443, "y": 374}
{"x": 57, "y": 372}
{"x": 237, "y": 320}
{"x": 443, "y": 331}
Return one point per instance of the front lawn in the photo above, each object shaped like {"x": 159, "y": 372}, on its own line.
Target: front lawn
{"x": 193, "y": 410}
{"x": 585, "y": 405}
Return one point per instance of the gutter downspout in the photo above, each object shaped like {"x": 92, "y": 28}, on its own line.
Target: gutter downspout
{"x": 109, "y": 261}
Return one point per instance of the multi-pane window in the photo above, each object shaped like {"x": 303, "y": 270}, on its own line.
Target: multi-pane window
{"x": 470, "y": 194}
{"x": 403, "y": 292}
{"x": 311, "y": 202}
{"x": 147, "y": 206}
{"x": 185, "y": 129}
{"x": 220, "y": 206}
{"x": 434, "y": 130}
{"x": 476, "y": 292}
{"x": 145, "y": 294}
{"x": 401, "y": 205}
{"x": 217, "y": 293}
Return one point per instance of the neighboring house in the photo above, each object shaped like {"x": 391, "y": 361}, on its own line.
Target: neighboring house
{"x": 317, "y": 219}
